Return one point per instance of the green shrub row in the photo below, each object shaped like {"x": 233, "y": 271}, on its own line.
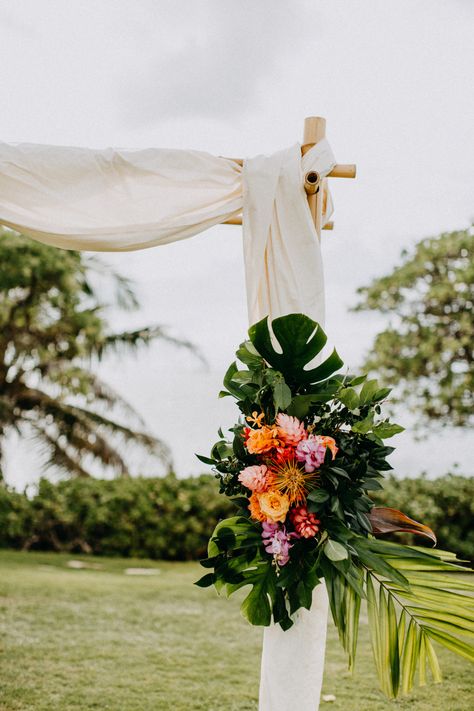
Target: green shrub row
{"x": 171, "y": 518}
{"x": 166, "y": 518}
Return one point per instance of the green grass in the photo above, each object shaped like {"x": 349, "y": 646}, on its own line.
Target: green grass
{"x": 98, "y": 639}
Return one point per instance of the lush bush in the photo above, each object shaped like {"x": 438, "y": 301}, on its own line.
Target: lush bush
{"x": 172, "y": 518}
{"x": 166, "y": 518}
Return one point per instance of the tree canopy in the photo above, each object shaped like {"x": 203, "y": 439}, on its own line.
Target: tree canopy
{"x": 426, "y": 350}
{"x": 52, "y": 325}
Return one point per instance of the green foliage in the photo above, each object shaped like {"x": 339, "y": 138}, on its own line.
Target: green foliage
{"x": 73, "y": 509}
{"x": 51, "y": 324}
{"x": 431, "y": 603}
{"x": 346, "y": 411}
{"x": 165, "y": 518}
{"x": 427, "y": 347}
{"x": 301, "y": 340}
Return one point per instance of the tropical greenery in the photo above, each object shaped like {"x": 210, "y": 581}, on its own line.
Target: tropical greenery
{"x": 52, "y": 323}
{"x": 427, "y": 346}
{"x": 96, "y": 638}
{"x": 300, "y": 468}
{"x": 164, "y": 517}
{"x": 170, "y": 518}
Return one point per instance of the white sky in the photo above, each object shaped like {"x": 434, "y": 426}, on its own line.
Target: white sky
{"x": 237, "y": 77}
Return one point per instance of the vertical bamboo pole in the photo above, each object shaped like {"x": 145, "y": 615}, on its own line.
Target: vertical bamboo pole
{"x": 314, "y": 131}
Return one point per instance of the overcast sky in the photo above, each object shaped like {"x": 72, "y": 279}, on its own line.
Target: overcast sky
{"x": 237, "y": 77}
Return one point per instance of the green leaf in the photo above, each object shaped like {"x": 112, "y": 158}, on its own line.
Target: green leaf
{"x": 318, "y": 496}
{"x": 382, "y": 394}
{"x": 450, "y": 642}
{"x": 372, "y": 485}
{"x": 349, "y": 398}
{"x": 281, "y": 396}
{"x": 409, "y": 657}
{"x": 241, "y": 528}
{"x": 205, "y": 460}
{"x": 384, "y": 430}
{"x": 206, "y": 580}
{"x": 365, "y": 425}
{"x": 248, "y": 355}
{"x": 368, "y": 391}
{"x": 335, "y": 550}
{"x": 301, "y": 404}
{"x": 229, "y": 383}
{"x": 301, "y": 339}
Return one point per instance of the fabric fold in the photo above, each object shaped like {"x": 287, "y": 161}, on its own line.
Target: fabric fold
{"x": 114, "y": 200}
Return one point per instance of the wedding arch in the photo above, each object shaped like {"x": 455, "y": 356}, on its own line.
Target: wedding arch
{"x": 121, "y": 200}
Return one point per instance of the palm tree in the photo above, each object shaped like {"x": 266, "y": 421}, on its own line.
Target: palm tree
{"x": 52, "y": 326}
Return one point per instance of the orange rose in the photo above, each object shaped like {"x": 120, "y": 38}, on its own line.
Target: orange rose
{"x": 274, "y": 505}
{"x": 255, "y": 510}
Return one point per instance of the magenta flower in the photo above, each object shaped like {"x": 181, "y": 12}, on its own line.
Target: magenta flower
{"x": 311, "y": 451}
{"x": 277, "y": 542}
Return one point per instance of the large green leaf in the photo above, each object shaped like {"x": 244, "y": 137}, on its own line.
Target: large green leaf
{"x": 403, "y": 619}
{"x": 301, "y": 339}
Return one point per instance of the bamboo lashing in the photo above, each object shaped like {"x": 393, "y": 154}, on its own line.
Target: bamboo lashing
{"x": 316, "y": 189}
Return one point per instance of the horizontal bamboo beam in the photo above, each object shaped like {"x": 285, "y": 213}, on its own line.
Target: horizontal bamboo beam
{"x": 340, "y": 170}
{"x": 238, "y": 221}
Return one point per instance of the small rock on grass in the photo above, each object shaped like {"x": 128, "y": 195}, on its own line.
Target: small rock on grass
{"x": 81, "y": 565}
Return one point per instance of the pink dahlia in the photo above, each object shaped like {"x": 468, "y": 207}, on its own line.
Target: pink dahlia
{"x": 311, "y": 451}
{"x": 304, "y": 522}
{"x": 291, "y": 429}
{"x": 255, "y": 478}
{"x": 277, "y": 542}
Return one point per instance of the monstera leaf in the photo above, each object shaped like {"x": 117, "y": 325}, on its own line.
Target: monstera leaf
{"x": 301, "y": 339}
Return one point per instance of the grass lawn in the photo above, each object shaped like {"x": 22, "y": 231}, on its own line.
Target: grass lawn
{"x": 99, "y": 639}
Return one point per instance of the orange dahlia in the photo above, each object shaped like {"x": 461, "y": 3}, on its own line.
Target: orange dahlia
{"x": 263, "y": 440}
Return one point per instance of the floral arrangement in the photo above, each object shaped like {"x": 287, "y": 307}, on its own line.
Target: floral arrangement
{"x": 299, "y": 467}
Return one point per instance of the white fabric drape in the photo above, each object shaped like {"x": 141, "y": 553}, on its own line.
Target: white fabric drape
{"x": 284, "y": 275}
{"x": 114, "y": 200}
{"x": 118, "y": 200}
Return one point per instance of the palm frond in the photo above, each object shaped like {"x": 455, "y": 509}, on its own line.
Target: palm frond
{"x": 433, "y": 604}
{"x": 84, "y": 431}
{"x": 77, "y": 381}
{"x": 131, "y": 340}
{"x": 345, "y": 605}
{"x": 404, "y": 621}
{"x": 125, "y": 296}
{"x": 58, "y": 455}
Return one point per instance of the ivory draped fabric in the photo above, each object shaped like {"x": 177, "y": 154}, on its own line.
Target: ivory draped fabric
{"x": 119, "y": 200}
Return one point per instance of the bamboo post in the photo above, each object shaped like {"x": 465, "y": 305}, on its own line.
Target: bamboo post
{"x": 315, "y": 131}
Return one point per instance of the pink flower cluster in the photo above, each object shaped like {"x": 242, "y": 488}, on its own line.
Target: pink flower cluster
{"x": 288, "y": 458}
{"x": 277, "y": 541}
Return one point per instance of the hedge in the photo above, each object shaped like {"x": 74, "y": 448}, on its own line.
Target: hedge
{"x": 166, "y": 518}
{"x": 171, "y": 518}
